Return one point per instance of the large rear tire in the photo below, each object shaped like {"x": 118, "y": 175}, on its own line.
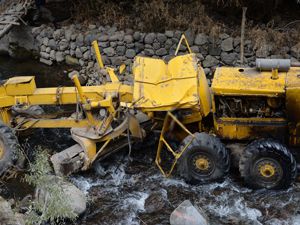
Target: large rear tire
{"x": 267, "y": 164}
{"x": 205, "y": 159}
{"x": 8, "y": 148}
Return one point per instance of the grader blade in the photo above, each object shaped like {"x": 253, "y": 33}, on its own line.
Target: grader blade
{"x": 68, "y": 161}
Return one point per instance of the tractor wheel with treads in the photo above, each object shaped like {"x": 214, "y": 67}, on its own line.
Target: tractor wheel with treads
{"x": 267, "y": 164}
{"x": 206, "y": 159}
{"x": 8, "y": 148}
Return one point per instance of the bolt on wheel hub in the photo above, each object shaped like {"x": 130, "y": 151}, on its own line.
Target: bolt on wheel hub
{"x": 267, "y": 170}
{"x": 202, "y": 163}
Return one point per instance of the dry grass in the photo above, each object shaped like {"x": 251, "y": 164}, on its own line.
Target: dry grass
{"x": 161, "y": 15}
{"x": 269, "y": 35}
{"x": 151, "y": 15}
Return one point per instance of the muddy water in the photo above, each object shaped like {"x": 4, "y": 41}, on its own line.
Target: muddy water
{"x": 123, "y": 191}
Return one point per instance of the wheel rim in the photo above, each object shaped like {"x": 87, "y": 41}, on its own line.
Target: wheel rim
{"x": 268, "y": 172}
{"x": 203, "y": 164}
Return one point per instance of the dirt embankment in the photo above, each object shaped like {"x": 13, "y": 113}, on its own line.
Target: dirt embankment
{"x": 271, "y": 20}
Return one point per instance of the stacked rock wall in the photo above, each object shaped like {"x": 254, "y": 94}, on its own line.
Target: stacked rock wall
{"x": 72, "y": 44}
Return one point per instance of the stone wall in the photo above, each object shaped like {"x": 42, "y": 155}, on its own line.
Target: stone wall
{"x": 72, "y": 44}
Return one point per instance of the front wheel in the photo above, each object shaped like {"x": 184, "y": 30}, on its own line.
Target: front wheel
{"x": 267, "y": 164}
{"x": 205, "y": 159}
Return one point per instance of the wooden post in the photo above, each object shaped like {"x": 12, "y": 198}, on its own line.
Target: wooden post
{"x": 243, "y": 35}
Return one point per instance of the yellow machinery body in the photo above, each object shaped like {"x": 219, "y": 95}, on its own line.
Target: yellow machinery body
{"x": 242, "y": 104}
{"x": 261, "y": 106}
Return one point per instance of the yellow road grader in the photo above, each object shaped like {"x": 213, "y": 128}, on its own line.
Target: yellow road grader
{"x": 257, "y": 108}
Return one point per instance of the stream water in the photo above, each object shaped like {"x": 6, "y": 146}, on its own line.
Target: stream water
{"x": 128, "y": 191}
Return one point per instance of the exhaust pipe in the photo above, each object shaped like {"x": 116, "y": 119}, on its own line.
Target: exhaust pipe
{"x": 282, "y": 65}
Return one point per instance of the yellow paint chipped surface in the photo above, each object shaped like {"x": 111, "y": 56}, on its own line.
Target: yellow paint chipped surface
{"x": 161, "y": 86}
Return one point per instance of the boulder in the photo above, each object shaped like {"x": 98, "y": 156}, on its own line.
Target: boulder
{"x": 46, "y": 61}
{"x": 75, "y": 198}
{"x": 149, "y": 38}
{"x": 156, "y": 45}
{"x": 52, "y": 44}
{"x": 87, "y": 55}
{"x": 63, "y": 44}
{"x": 57, "y": 34}
{"x": 210, "y": 61}
{"x": 120, "y": 50}
{"x": 195, "y": 49}
{"x": 149, "y": 52}
{"x": 214, "y": 50}
{"x": 187, "y": 214}
{"x": 229, "y": 58}
{"x": 7, "y": 216}
{"x": 68, "y": 34}
{"x": 59, "y": 56}
{"x": 128, "y": 39}
{"x": 45, "y": 55}
{"x": 103, "y": 38}
{"x": 52, "y": 54}
{"x": 45, "y": 41}
{"x": 104, "y": 44}
{"x": 78, "y": 53}
{"x": 169, "y": 33}
{"x": 136, "y": 36}
{"x": 161, "y": 52}
{"x": 79, "y": 40}
{"x": 201, "y": 39}
{"x": 71, "y": 60}
{"x": 227, "y": 44}
{"x": 161, "y": 38}
{"x": 22, "y": 36}
{"x": 139, "y": 47}
{"x": 130, "y": 53}
{"x": 190, "y": 36}
{"x": 295, "y": 51}
{"x": 109, "y": 51}
{"x": 224, "y": 36}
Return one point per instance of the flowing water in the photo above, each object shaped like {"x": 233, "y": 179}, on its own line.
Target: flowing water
{"x": 129, "y": 191}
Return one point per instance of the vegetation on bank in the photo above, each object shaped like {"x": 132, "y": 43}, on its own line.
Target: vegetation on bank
{"x": 267, "y": 21}
{"x": 55, "y": 205}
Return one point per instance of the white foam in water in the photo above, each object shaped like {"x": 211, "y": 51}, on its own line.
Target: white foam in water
{"x": 84, "y": 183}
{"x": 118, "y": 174}
{"x": 296, "y": 220}
{"x": 239, "y": 209}
{"x": 135, "y": 203}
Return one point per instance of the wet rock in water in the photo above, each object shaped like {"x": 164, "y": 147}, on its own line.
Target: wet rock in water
{"x": 187, "y": 214}
{"x": 7, "y": 216}
{"x": 156, "y": 201}
{"x": 75, "y": 197}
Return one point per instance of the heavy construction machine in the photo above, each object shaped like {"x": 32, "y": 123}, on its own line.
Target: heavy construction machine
{"x": 197, "y": 125}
